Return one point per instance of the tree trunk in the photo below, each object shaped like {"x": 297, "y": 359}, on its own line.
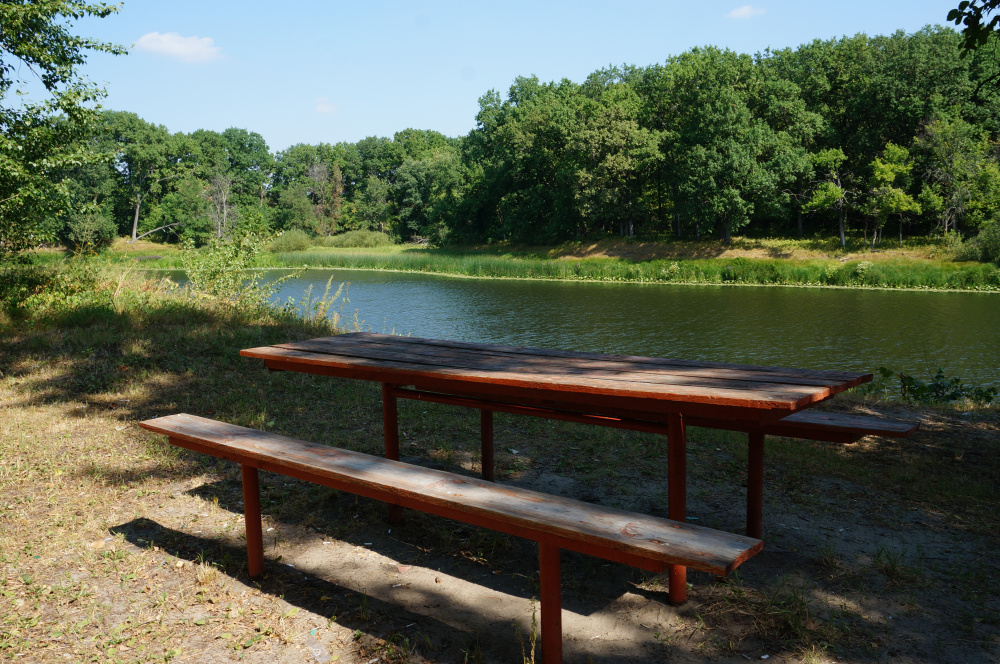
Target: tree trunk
{"x": 799, "y": 219}
{"x": 135, "y": 217}
{"x": 840, "y": 227}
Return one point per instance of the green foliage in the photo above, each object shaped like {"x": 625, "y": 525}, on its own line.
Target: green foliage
{"x": 40, "y": 141}
{"x": 985, "y": 246}
{"x": 979, "y": 26}
{"x": 938, "y": 389}
{"x": 293, "y": 240}
{"x": 357, "y": 239}
{"x": 90, "y": 233}
{"x": 225, "y": 271}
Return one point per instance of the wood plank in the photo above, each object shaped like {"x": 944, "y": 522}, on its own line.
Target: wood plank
{"x": 528, "y": 513}
{"x": 815, "y": 425}
{"x": 398, "y": 342}
{"x": 769, "y": 396}
{"x": 569, "y": 369}
{"x": 864, "y": 425}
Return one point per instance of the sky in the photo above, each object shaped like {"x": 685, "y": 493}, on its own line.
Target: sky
{"x": 313, "y": 71}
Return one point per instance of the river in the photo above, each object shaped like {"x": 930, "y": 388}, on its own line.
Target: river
{"x": 849, "y": 329}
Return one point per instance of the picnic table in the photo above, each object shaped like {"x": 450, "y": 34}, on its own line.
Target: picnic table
{"x": 639, "y": 393}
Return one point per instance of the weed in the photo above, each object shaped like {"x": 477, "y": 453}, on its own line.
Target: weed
{"x": 473, "y": 654}
{"x": 891, "y": 563}
{"x": 528, "y": 649}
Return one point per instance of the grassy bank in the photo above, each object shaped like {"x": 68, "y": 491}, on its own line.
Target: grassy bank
{"x": 752, "y": 262}
{"x": 117, "y": 547}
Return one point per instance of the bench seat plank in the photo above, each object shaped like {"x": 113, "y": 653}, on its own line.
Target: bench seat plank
{"x": 567, "y": 523}
{"x": 817, "y": 425}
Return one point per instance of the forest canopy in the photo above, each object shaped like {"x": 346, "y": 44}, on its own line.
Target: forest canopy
{"x": 848, "y": 136}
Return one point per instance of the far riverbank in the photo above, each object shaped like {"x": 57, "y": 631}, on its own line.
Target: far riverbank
{"x": 810, "y": 263}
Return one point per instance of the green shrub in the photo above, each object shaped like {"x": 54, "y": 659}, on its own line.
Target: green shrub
{"x": 356, "y": 239}
{"x": 225, "y": 270}
{"x": 939, "y": 389}
{"x": 89, "y": 233}
{"x": 989, "y": 242}
{"x": 983, "y": 247}
{"x": 293, "y": 240}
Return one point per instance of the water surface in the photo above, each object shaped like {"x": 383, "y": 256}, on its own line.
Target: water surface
{"x": 801, "y": 327}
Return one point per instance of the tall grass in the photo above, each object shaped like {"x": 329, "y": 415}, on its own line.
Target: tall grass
{"x": 899, "y": 273}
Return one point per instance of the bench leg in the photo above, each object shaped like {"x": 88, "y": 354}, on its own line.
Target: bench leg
{"x": 390, "y": 422}
{"x": 486, "y": 425}
{"x": 755, "y": 485}
{"x": 677, "y": 496}
{"x": 550, "y": 598}
{"x": 251, "y": 515}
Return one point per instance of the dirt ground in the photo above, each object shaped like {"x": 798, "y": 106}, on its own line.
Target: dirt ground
{"x": 151, "y": 567}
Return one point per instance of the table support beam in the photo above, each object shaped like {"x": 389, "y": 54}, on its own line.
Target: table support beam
{"x": 755, "y": 485}
{"x": 251, "y": 516}
{"x": 550, "y": 599}
{"x": 677, "y": 497}
{"x": 488, "y": 462}
{"x": 390, "y": 423}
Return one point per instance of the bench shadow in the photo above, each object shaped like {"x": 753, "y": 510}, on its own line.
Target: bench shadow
{"x": 348, "y": 607}
{"x": 315, "y": 591}
{"x": 497, "y": 562}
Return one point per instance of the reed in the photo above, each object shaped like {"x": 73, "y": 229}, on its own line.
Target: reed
{"x": 892, "y": 273}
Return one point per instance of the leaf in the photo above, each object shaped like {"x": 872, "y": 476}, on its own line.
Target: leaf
{"x": 200, "y": 621}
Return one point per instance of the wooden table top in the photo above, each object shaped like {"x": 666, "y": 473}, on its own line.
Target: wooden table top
{"x": 641, "y": 387}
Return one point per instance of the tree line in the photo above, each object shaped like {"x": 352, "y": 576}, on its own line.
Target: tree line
{"x": 856, "y": 135}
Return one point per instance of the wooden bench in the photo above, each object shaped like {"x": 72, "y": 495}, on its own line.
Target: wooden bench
{"x": 554, "y": 522}
{"x": 806, "y": 424}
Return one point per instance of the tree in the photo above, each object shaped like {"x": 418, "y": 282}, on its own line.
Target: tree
{"x": 374, "y": 205}
{"x": 720, "y": 164}
{"x": 250, "y": 165}
{"x": 958, "y": 168}
{"x": 148, "y": 156}
{"x": 830, "y": 192}
{"x": 219, "y": 194}
{"x": 41, "y": 140}
{"x": 613, "y": 152}
{"x": 979, "y": 25}
{"x": 428, "y": 192}
{"x": 891, "y": 168}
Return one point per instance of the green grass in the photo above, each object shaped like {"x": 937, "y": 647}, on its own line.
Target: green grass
{"x": 905, "y": 274}
{"x": 920, "y": 264}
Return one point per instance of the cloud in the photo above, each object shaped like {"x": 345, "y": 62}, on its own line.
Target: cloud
{"x": 324, "y": 107}
{"x": 192, "y": 50}
{"x": 745, "y": 13}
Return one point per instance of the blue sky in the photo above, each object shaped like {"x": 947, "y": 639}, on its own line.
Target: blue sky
{"x": 312, "y": 71}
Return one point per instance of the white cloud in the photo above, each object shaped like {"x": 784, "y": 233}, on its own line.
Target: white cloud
{"x": 324, "y": 107}
{"x": 192, "y": 50}
{"x": 745, "y": 12}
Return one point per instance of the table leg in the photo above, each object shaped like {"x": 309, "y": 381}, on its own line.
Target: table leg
{"x": 677, "y": 496}
{"x": 755, "y": 485}
{"x": 486, "y": 425}
{"x": 550, "y": 599}
{"x": 251, "y": 516}
{"x": 390, "y": 422}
